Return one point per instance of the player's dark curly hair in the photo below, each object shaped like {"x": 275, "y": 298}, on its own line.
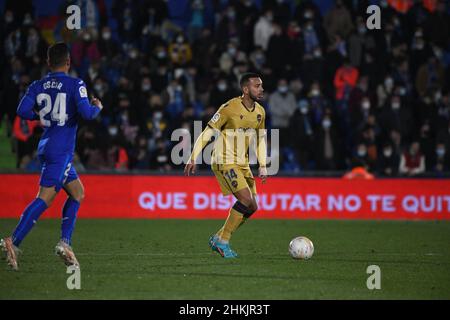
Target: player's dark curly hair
{"x": 246, "y": 77}
{"x": 58, "y": 54}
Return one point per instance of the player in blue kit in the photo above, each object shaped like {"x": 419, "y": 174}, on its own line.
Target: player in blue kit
{"x": 58, "y": 101}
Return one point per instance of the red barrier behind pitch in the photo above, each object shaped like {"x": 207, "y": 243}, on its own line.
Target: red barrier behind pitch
{"x": 120, "y": 196}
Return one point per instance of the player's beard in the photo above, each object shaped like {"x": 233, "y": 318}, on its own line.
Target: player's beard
{"x": 254, "y": 98}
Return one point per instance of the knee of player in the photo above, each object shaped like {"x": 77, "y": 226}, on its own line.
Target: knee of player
{"x": 79, "y": 197}
{"x": 253, "y": 206}
{"x": 48, "y": 201}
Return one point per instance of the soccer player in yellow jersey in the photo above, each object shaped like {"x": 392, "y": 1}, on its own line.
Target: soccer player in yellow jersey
{"x": 240, "y": 124}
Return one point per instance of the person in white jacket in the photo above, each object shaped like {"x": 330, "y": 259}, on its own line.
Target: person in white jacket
{"x": 282, "y": 105}
{"x": 263, "y": 30}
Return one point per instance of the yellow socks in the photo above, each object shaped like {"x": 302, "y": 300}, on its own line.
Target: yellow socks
{"x": 234, "y": 221}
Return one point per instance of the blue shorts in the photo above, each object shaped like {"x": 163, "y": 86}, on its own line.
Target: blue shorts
{"x": 56, "y": 171}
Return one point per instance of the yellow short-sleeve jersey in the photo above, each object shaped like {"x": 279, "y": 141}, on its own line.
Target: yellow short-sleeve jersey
{"x": 237, "y": 126}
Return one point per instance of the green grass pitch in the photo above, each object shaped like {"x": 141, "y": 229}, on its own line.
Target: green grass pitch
{"x": 170, "y": 259}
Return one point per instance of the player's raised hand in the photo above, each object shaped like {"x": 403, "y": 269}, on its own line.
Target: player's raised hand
{"x": 263, "y": 174}
{"x": 96, "y": 102}
{"x": 190, "y": 167}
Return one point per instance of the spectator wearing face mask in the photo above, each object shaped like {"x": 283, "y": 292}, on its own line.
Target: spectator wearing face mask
{"x": 313, "y": 67}
{"x": 397, "y": 118}
{"x": 440, "y": 160}
{"x": 318, "y": 102}
{"x": 101, "y": 90}
{"x": 301, "y": 127}
{"x": 368, "y": 139}
{"x": 220, "y": 93}
{"x": 360, "y": 115}
{"x": 282, "y": 105}
{"x": 229, "y": 26}
{"x": 308, "y": 10}
{"x": 420, "y": 51}
{"x": 412, "y": 161}
{"x": 327, "y": 145}
{"x": 229, "y": 57}
{"x": 358, "y": 93}
{"x": 311, "y": 40}
{"x": 258, "y": 59}
{"x": 160, "y": 78}
{"x": 160, "y": 157}
{"x": 174, "y": 98}
{"x": 388, "y": 161}
{"x": 107, "y": 46}
{"x": 143, "y": 93}
{"x": 384, "y": 90}
{"x": 361, "y": 152}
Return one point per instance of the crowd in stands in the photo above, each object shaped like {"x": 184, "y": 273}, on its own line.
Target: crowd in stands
{"x": 335, "y": 89}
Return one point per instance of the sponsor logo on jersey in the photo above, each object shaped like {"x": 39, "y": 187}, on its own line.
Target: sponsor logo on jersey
{"x": 259, "y": 117}
{"x": 215, "y": 118}
{"x": 83, "y": 92}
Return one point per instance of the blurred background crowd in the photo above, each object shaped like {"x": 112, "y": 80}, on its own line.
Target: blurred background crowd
{"x": 335, "y": 89}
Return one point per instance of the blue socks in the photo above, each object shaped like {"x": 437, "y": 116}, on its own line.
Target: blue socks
{"x": 35, "y": 210}
{"x": 68, "y": 221}
{"x": 28, "y": 219}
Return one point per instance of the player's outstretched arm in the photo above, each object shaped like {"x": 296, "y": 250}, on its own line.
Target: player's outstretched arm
{"x": 89, "y": 111}
{"x": 96, "y": 102}
{"x": 261, "y": 153}
{"x": 201, "y": 142}
{"x": 25, "y": 109}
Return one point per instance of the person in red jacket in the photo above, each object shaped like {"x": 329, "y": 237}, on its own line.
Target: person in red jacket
{"x": 412, "y": 162}
{"x": 23, "y": 131}
{"x": 345, "y": 79}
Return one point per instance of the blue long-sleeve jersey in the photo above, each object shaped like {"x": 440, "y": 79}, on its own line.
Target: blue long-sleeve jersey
{"x": 57, "y": 100}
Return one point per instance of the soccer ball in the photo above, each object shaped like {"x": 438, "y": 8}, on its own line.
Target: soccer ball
{"x": 301, "y": 248}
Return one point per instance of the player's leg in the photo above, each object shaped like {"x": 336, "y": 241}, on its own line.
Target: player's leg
{"x": 54, "y": 172}
{"x": 242, "y": 209}
{"x": 232, "y": 181}
{"x": 252, "y": 203}
{"x": 75, "y": 192}
{"x": 32, "y": 213}
{"x": 75, "y": 196}
{"x": 27, "y": 220}
{"x": 246, "y": 203}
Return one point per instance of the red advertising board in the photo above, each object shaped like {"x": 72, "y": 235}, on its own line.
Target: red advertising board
{"x": 134, "y": 196}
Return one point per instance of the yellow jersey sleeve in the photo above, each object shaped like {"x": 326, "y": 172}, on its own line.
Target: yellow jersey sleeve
{"x": 220, "y": 118}
{"x": 262, "y": 121}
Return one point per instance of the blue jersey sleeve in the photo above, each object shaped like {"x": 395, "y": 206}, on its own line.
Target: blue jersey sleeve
{"x": 25, "y": 110}
{"x": 84, "y": 108}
